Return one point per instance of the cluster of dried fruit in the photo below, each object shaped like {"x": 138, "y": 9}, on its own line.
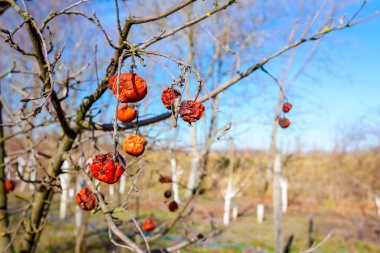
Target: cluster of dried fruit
{"x": 190, "y": 110}
{"x": 173, "y": 205}
{"x": 108, "y": 169}
{"x": 283, "y": 121}
{"x": 105, "y": 167}
{"x": 132, "y": 89}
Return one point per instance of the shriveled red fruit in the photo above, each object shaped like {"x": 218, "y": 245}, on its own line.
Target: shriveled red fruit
{"x": 133, "y": 88}
{"x": 104, "y": 169}
{"x": 168, "y": 194}
{"x": 168, "y": 95}
{"x": 286, "y": 107}
{"x": 126, "y": 113}
{"x": 284, "y": 122}
{"x": 149, "y": 225}
{"x": 86, "y": 199}
{"x": 9, "y": 185}
{"x": 191, "y": 111}
{"x": 134, "y": 144}
{"x": 165, "y": 179}
{"x": 173, "y": 206}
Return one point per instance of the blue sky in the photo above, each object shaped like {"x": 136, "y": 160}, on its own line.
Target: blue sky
{"x": 336, "y": 96}
{"x": 347, "y": 95}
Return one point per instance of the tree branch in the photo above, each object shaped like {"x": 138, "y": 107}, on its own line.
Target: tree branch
{"x": 163, "y": 15}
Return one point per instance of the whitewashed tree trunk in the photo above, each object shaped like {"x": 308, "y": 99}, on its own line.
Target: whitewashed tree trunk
{"x": 235, "y": 212}
{"x": 20, "y": 167}
{"x": 277, "y": 213}
{"x": 78, "y": 211}
{"x": 82, "y": 162}
{"x": 260, "y": 211}
{"x": 79, "y": 184}
{"x": 284, "y": 194}
{"x": 377, "y": 200}
{"x": 173, "y": 170}
{"x": 65, "y": 182}
{"x": 111, "y": 191}
{"x": 193, "y": 176}
{"x": 7, "y": 167}
{"x": 32, "y": 177}
{"x": 32, "y": 168}
{"x": 123, "y": 178}
{"x": 227, "y": 203}
{"x": 65, "y": 185}
{"x": 71, "y": 193}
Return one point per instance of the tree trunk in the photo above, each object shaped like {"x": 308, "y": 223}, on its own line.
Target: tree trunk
{"x": 260, "y": 213}
{"x": 79, "y": 242}
{"x": 122, "y": 184}
{"x": 20, "y": 167}
{"x": 81, "y": 219}
{"x": 111, "y": 190}
{"x": 235, "y": 212}
{"x": 65, "y": 184}
{"x": 32, "y": 169}
{"x": 42, "y": 200}
{"x": 121, "y": 192}
{"x": 193, "y": 176}
{"x": 310, "y": 233}
{"x": 277, "y": 213}
{"x": 272, "y": 147}
{"x": 377, "y": 200}
{"x": 227, "y": 203}
{"x": 173, "y": 169}
{"x": 4, "y": 223}
{"x": 284, "y": 195}
{"x": 230, "y": 184}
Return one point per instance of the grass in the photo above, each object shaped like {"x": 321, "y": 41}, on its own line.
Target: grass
{"x": 344, "y": 210}
{"x": 245, "y": 232}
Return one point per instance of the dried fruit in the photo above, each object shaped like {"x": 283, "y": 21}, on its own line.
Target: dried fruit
{"x": 168, "y": 194}
{"x": 149, "y": 225}
{"x": 168, "y": 95}
{"x": 165, "y": 179}
{"x": 286, "y": 107}
{"x": 134, "y": 144}
{"x": 173, "y": 206}
{"x": 132, "y": 87}
{"x": 9, "y": 185}
{"x": 284, "y": 122}
{"x": 126, "y": 113}
{"x": 86, "y": 199}
{"x": 191, "y": 111}
{"x": 104, "y": 169}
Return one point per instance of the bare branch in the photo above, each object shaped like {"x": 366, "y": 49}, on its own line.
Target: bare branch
{"x": 54, "y": 14}
{"x": 163, "y": 15}
{"x": 188, "y": 24}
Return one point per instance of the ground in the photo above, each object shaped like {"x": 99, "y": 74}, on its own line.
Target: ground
{"x": 352, "y": 231}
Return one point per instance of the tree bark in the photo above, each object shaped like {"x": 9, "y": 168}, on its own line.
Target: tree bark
{"x": 5, "y": 235}
{"x": 277, "y": 212}
{"x": 173, "y": 169}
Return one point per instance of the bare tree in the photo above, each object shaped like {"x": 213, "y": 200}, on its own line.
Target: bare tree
{"x": 47, "y": 105}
